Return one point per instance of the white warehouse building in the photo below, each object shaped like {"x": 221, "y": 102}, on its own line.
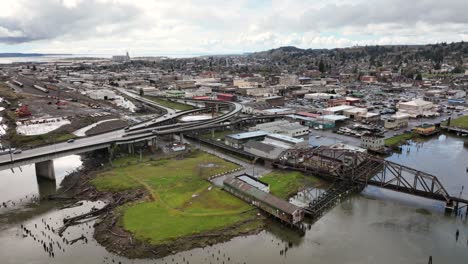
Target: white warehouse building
{"x": 283, "y": 127}
{"x": 416, "y": 108}
{"x": 103, "y": 94}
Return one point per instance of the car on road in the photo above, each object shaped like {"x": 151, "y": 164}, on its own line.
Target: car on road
{"x": 7, "y": 151}
{"x": 71, "y": 140}
{"x": 18, "y": 151}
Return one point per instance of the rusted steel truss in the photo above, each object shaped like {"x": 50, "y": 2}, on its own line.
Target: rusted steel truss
{"x": 362, "y": 168}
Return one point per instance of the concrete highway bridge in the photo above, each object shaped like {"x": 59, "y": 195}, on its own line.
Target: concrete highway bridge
{"x": 150, "y": 130}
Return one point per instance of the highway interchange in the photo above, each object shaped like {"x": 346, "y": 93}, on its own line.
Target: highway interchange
{"x": 142, "y": 131}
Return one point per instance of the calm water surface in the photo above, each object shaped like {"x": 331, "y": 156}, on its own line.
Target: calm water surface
{"x": 376, "y": 227}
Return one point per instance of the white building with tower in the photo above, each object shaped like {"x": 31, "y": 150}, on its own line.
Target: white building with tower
{"x": 121, "y": 58}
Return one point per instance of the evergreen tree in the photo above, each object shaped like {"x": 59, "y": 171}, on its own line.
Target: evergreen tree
{"x": 321, "y": 66}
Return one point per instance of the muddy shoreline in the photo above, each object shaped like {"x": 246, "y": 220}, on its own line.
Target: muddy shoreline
{"x": 108, "y": 230}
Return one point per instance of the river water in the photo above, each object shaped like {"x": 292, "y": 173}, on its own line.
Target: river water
{"x": 374, "y": 227}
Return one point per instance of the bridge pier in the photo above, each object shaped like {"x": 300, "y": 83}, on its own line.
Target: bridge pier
{"x": 45, "y": 169}
{"x": 46, "y": 187}
{"x": 153, "y": 144}
{"x": 449, "y": 208}
{"x": 131, "y": 149}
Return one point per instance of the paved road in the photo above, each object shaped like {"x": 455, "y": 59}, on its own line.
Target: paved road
{"x": 63, "y": 146}
{"x": 110, "y": 137}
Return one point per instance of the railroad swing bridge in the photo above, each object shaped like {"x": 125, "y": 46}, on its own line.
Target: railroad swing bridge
{"x": 352, "y": 171}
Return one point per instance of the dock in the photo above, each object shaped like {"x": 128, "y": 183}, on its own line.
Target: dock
{"x": 455, "y": 129}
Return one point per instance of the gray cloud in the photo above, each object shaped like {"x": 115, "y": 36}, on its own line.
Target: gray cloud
{"x": 49, "y": 19}
{"x": 399, "y": 13}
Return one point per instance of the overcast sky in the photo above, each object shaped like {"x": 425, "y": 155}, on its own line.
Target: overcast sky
{"x": 158, "y": 27}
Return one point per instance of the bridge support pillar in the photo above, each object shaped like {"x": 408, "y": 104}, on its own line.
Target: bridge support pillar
{"x": 181, "y": 137}
{"x": 131, "y": 149}
{"x": 449, "y": 207}
{"x": 45, "y": 169}
{"x": 153, "y": 144}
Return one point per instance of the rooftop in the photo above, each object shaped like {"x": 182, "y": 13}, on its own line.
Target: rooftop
{"x": 307, "y": 114}
{"x": 262, "y": 196}
{"x": 285, "y": 138}
{"x": 334, "y": 117}
{"x": 417, "y": 102}
{"x": 339, "y": 108}
{"x": 267, "y": 148}
{"x": 277, "y": 110}
{"x": 304, "y": 118}
{"x": 252, "y": 181}
{"x": 245, "y": 135}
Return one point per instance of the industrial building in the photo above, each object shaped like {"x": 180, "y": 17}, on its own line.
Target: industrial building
{"x": 397, "y": 121}
{"x": 226, "y": 97}
{"x": 264, "y": 150}
{"x": 175, "y": 93}
{"x": 373, "y": 142}
{"x": 238, "y": 140}
{"x": 273, "y": 100}
{"x": 416, "y": 108}
{"x": 313, "y": 122}
{"x": 337, "y": 110}
{"x": 263, "y": 186}
{"x": 283, "y": 127}
{"x": 284, "y": 141}
{"x": 267, "y": 202}
{"x": 103, "y": 94}
{"x": 277, "y": 111}
{"x": 321, "y": 96}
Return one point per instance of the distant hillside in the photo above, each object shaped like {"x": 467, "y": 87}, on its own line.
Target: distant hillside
{"x": 409, "y": 59}
{"x": 430, "y": 51}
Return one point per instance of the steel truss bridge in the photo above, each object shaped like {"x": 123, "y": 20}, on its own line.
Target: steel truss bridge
{"x": 351, "y": 168}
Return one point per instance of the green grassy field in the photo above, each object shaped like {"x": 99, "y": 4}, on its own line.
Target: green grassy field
{"x": 286, "y": 183}
{"x": 167, "y": 103}
{"x": 182, "y": 203}
{"x": 461, "y": 122}
{"x": 399, "y": 139}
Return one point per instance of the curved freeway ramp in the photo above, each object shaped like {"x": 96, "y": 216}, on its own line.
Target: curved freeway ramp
{"x": 106, "y": 140}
